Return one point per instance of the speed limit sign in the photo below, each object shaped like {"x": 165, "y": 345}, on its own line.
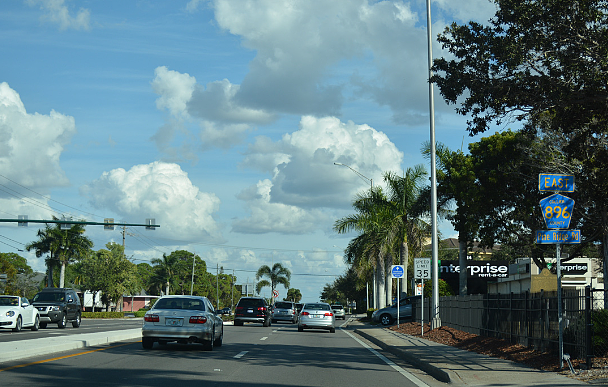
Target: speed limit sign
{"x": 422, "y": 268}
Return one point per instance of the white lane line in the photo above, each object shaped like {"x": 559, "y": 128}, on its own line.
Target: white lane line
{"x": 263, "y": 338}
{"x": 403, "y": 372}
{"x": 240, "y": 355}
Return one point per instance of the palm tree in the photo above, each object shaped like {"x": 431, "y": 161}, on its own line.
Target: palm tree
{"x": 43, "y": 246}
{"x": 277, "y": 275}
{"x": 165, "y": 270}
{"x": 64, "y": 245}
{"x": 374, "y": 240}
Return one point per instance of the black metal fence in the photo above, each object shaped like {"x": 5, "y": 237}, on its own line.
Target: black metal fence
{"x": 532, "y": 319}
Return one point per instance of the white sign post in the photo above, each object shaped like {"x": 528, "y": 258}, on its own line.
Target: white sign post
{"x": 422, "y": 271}
{"x": 397, "y": 272}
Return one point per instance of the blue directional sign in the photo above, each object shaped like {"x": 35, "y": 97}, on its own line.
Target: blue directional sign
{"x": 558, "y": 236}
{"x": 557, "y": 211}
{"x": 397, "y": 271}
{"x": 555, "y": 183}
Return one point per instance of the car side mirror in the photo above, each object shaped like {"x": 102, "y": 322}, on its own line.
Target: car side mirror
{"x": 24, "y": 305}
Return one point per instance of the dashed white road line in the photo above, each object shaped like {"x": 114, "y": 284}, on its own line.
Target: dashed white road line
{"x": 240, "y": 355}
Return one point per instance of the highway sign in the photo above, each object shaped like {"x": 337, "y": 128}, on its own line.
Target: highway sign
{"x": 397, "y": 271}
{"x": 557, "y": 211}
{"x": 555, "y": 183}
{"x": 558, "y": 236}
{"x": 422, "y": 268}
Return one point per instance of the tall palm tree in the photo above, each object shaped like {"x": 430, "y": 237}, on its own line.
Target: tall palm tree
{"x": 64, "y": 246}
{"x": 408, "y": 205}
{"x": 374, "y": 242}
{"x": 165, "y": 271}
{"x": 277, "y": 275}
{"x": 43, "y": 246}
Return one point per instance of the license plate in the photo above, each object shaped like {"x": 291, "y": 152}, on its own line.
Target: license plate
{"x": 317, "y": 316}
{"x": 173, "y": 322}
{"x": 249, "y": 310}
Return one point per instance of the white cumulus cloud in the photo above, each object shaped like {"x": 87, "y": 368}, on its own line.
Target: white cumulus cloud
{"x": 161, "y": 191}
{"x": 57, "y": 12}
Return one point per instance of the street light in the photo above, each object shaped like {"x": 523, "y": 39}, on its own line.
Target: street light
{"x": 371, "y": 183}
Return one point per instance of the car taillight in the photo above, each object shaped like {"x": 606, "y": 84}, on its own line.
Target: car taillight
{"x": 328, "y": 314}
{"x": 151, "y": 318}
{"x": 262, "y": 308}
{"x": 198, "y": 319}
{"x": 305, "y": 314}
{"x": 239, "y": 308}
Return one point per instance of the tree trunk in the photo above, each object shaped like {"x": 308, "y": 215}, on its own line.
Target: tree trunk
{"x": 389, "y": 279}
{"x": 375, "y": 289}
{"x": 381, "y": 283}
{"x": 167, "y": 288}
{"x": 62, "y": 274}
{"x": 462, "y": 261}
{"x": 50, "y": 273}
{"x": 404, "y": 253}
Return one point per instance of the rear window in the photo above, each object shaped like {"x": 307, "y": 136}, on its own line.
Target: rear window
{"x": 250, "y": 302}
{"x": 317, "y": 307}
{"x": 283, "y": 305}
{"x": 337, "y": 307}
{"x": 180, "y": 303}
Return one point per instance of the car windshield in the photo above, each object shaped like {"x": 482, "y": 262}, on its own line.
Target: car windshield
{"x": 49, "y": 296}
{"x": 338, "y": 307}
{"x": 317, "y": 307}
{"x": 180, "y": 303}
{"x": 9, "y": 301}
{"x": 283, "y": 305}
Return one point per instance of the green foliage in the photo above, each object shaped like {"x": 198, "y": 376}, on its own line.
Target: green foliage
{"x": 293, "y": 295}
{"x": 103, "y": 315}
{"x": 19, "y": 276}
{"x": 444, "y": 289}
{"x": 277, "y": 275}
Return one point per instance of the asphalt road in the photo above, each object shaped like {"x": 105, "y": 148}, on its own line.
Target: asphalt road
{"x": 87, "y": 326}
{"x": 252, "y": 355}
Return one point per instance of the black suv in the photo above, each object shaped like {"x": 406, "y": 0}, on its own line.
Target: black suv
{"x": 58, "y": 305}
{"x": 252, "y": 309}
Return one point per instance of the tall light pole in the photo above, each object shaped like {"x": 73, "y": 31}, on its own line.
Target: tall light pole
{"x": 435, "y": 320}
{"x": 374, "y": 288}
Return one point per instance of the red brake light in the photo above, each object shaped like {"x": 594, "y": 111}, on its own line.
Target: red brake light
{"x": 262, "y": 308}
{"x": 151, "y": 318}
{"x": 239, "y": 308}
{"x": 328, "y": 314}
{"x": 198, "y": 319}
{"x": 305, "y": 313}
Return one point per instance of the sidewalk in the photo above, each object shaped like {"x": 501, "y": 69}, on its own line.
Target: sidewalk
{"x": 458, "y": 367}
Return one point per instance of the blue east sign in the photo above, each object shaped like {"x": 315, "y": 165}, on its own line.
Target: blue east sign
{"x": 555, "y": 183}
{"x": 557, "y": 211}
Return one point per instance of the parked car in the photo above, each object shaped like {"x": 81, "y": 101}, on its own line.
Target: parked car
{"x": 284, "y": 311}
{"x": 252, "y": 309}
{"x": 388, "y": 315}
{"x": 227, "y": 310}
{"x": 339, "y": 312}
{"x": 17, "y": 313}
{"x": 182, "y": 319}
{"x": 58, "y": 305}
{"x": 317, "y": 315}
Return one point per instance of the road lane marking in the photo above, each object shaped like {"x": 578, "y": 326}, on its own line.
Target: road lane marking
{"x": 62, "y": 357}
{"x": 263, "y": 338}
{"x": 240, "y": 355}
{"x": 403, "y": 372}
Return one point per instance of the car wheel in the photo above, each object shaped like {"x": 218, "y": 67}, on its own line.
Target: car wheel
{"x": 147, "y": 342}
{"x": 63, "y": 322}
{"x": 386, "y": 319}
{"x": 332, "y": 330}
{"x": 43, "y": 325}
{"x": 36, "y": 324}
{"x": 238, "y": 323}
{"x": 18, "y": 324}
{"x": 300, "y": 329}
{"x": 218, "y": 342}
{"x": 274, "y": 321}
{"x": 76, "y": 323}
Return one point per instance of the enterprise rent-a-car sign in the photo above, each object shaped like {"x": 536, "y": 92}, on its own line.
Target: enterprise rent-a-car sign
{"x": 478, "y": 274}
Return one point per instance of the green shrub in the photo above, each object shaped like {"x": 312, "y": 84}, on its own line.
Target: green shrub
{"x": 370, "y": 311}
{"x": 103, "y": 314}
{"x": 140, "y": 313}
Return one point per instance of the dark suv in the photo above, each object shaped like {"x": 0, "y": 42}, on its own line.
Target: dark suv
{"x": 58, "y": 305}
{"x": 252, "y": 309}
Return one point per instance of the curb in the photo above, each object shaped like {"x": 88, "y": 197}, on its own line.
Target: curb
{"x": 430, "y": 369}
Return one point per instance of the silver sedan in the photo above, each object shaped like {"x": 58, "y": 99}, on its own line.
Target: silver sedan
{"x": 185, "y": 319}
{"x": 317, "y": 315}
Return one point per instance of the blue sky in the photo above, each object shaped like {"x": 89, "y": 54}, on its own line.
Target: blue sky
{"x": 220, "y": 119}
